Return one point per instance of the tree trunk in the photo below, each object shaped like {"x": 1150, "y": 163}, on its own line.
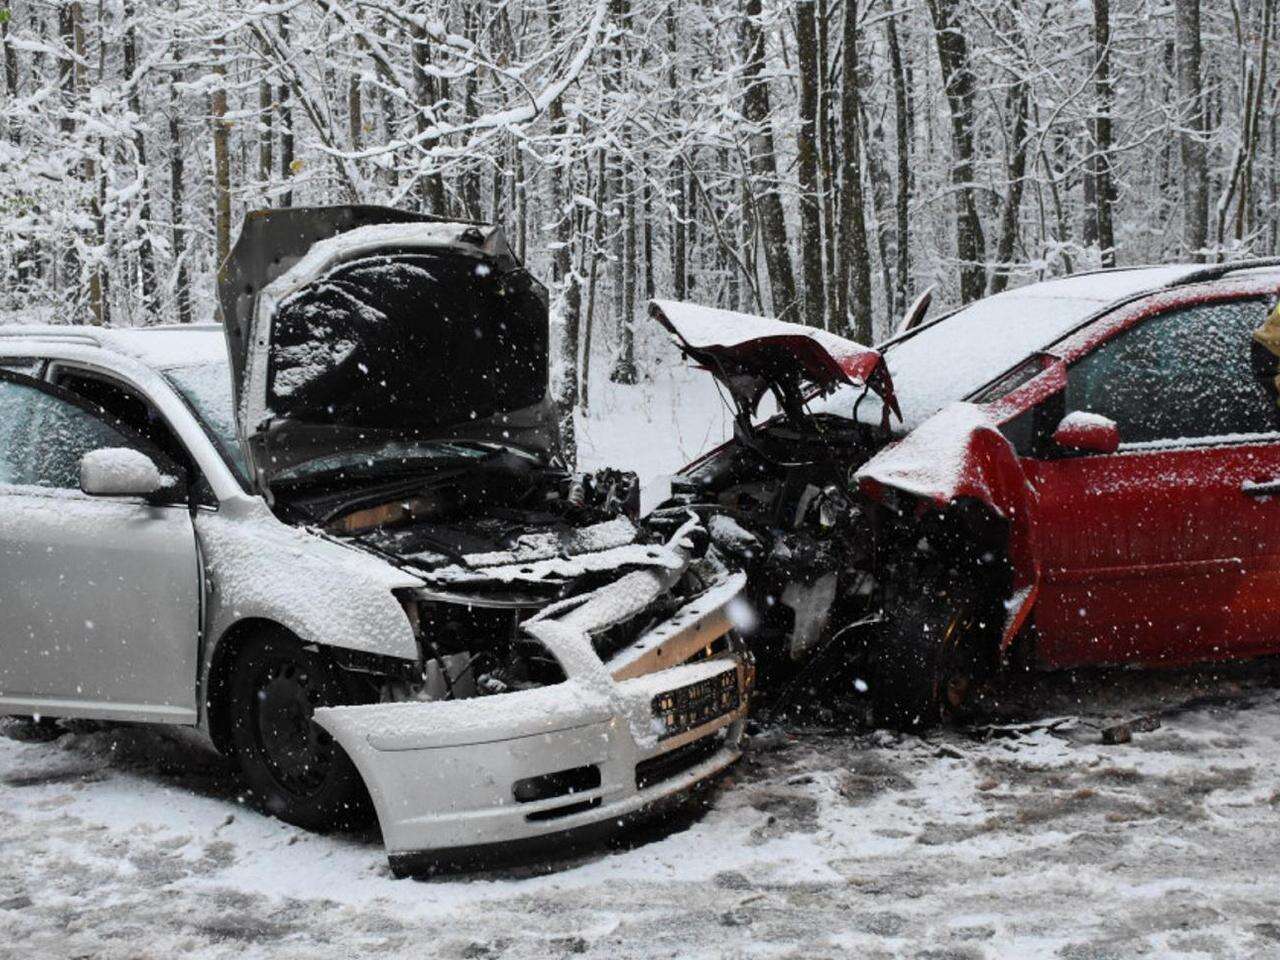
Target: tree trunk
{"x": 626, "y": 370}
{"x": 221, "y": 153}
{"x": 764, "y": 167}
{"x": 177, "y": 206}
{"x": 266, "y": 132}
{"x": 1252, "y": 133}
{"x": 827, "y": 165}
{"x": 146, "y": 253}
{"x": 807, "y": 154}
{"x": 285, "y": 106}
{"x": 854, "y": 293}
{"x": 597, "y": 252}
{"x": 427, "y": 94}
{"x": 10, "y": 56}
{"x": 1104, "y": 188}
{"x": 355, "y": 113}
{"x": 1012, "y": 205}
{"x": 93, "y": 175}
{"x": 67, "y": 15}
{"x": 679, "y": 252}
{"x": 624, "y": 361}
{"x": 522, "y": 203}
{"x": 958, "y": 81}
{"x": 902, "y": 200}
{"x": 879, "y": 180}
{"x": 470, "y": 110}
{"x": 1195, "y": 169}
{"x": 565, "y": 279}
{"x": 1018, "y": 106}
{"x": 1274, "y": 178}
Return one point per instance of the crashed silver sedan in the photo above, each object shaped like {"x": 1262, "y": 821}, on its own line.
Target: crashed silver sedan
{"x": 334, "y": 533}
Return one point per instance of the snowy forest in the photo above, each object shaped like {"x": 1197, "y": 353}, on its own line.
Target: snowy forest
{"x": 821, "y": 161}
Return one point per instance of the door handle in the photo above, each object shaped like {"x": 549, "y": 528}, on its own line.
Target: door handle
{"x": 1260, "y": 488}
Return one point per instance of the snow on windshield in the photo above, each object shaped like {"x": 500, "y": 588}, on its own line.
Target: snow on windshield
{"x": 951, "y": 359}
{"x": 207, "y": 388}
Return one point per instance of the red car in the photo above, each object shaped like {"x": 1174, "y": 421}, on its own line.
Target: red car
{"x": 1080, "y": 471}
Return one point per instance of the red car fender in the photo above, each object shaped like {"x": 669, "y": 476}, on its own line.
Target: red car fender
{"x": 959, "y": 453}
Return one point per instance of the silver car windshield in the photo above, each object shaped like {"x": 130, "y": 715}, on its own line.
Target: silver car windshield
{"x": 207, "y": 389}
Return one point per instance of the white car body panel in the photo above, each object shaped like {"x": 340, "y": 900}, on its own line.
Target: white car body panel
{"x": 90, "y": 638}
{"x": 323, "y": 591}
{"x": 440, "y": 773}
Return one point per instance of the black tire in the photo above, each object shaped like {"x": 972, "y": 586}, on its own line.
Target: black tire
{"x": 928, "y": 657}
{"x": 294, "y": 769}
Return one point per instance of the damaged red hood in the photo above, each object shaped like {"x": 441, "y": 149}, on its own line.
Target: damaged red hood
{"x": 750, "y": 354}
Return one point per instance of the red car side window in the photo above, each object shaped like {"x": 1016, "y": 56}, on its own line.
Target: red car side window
{"x": 1184, "y": 374}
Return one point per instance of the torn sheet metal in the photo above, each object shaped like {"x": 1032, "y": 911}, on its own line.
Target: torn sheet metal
{"x": 456, "y": 780}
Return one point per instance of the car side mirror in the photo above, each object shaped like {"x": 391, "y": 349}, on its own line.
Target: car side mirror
{"x": 122, "y": 472}
{"x": 1087, "y": 432}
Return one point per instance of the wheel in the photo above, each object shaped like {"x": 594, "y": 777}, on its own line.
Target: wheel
{"x": 294, "y": 769}
{"x": 927, "y": 658}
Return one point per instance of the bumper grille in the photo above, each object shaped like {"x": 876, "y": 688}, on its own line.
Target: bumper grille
{"x": 675, "y": 762}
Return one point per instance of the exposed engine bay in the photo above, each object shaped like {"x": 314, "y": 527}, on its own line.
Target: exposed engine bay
{"x": 777, "y": 504}
{"x": 498, "y": 539}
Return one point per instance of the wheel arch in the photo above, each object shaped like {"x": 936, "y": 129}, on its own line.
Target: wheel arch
{"x": 222, "y": 658}
{"x": 957, "y": 472}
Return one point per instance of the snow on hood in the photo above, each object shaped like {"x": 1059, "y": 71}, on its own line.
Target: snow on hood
{"x": 352, "y": 327}
{"x": 750, "y": 354}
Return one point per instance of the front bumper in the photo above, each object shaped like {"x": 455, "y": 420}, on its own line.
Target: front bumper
{"x": 454, "y": 782}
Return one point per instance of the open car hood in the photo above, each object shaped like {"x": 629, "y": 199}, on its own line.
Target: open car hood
{"x": 358, "y": 329}
{"x": 750, "y": 355}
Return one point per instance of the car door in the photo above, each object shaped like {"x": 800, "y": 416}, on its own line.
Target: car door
{"x": 1166, "y": 550}
{"x": 99, "y": 596}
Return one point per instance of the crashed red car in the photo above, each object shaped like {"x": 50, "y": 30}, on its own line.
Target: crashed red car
{"x": 1081, "y": 471}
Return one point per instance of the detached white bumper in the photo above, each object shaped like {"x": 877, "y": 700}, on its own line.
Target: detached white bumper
{"x": 456, "y": 783}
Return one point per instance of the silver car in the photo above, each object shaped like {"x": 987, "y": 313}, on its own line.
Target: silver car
{"x": 334, "y": 534}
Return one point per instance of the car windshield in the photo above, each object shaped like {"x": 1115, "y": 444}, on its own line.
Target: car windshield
{"x": 952, "y": 358}
{"x": 207, "y": 389}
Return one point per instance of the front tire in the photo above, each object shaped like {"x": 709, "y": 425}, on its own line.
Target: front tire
{"x": 294, "y": 769}
{"x": 927, "y": 660}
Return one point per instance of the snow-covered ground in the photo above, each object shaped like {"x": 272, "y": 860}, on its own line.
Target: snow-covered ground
{"x": 1019, "y": 841}
{"x": 1025, "y": 842}
{"x": 653, "y": 428}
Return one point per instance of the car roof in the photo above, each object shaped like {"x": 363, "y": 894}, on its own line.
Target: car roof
{"x": 160, "y": 347}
